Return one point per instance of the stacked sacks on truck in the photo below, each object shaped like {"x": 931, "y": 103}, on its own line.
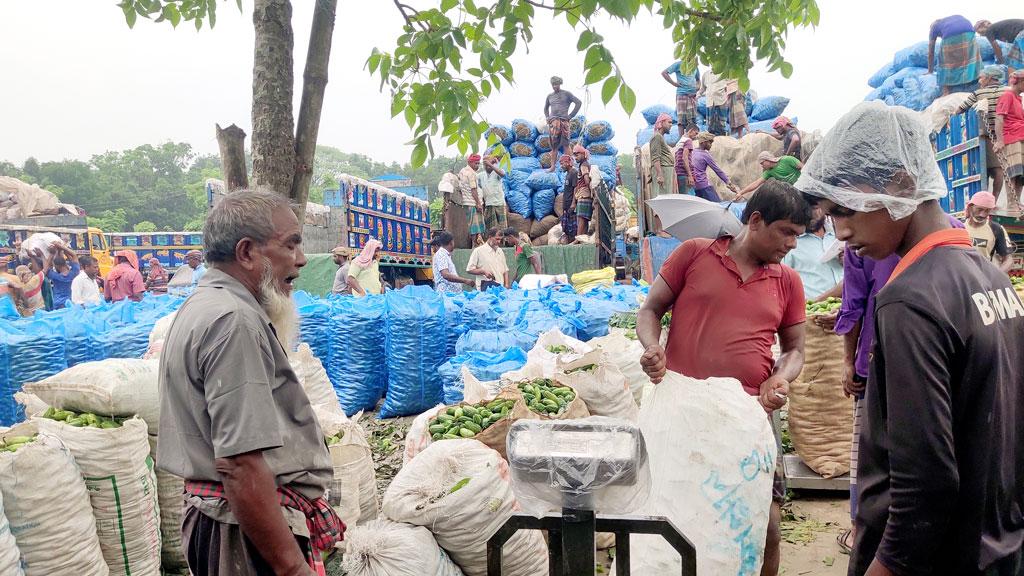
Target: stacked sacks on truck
{"x": 522, "y": 149}
{"x": 768, "y": 107}
{"x": 525, "y": 164}
{"x": 503, "y": 134}
{"x": 357, "y": 352}
{"x": 598, "y": 131}
{"x": 416, "y": 345}
{"x": 524, "y": 131}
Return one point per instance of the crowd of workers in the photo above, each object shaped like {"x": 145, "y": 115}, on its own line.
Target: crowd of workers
{"x": 55, "y": 278}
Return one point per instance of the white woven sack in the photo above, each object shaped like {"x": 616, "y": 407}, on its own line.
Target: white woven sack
{"x": 418, "y": 437}
{"x": 602, "y": 388}
{"x": 385, "y": 548}
{"x": 10, "y": 556}
{"x": 549, "y": 363}
{"x": 169, "y": 493}
{"x": 353, "y": 489}
{"x": 111, "y": 387}
{"x": 47, "y": 506}
{"x": 118, "y": 472}
{"x": 461, "y": 491}
{"x": 314, "y": 380}
{"x": 712, "y": 456}
{"x": 625, "y": 353}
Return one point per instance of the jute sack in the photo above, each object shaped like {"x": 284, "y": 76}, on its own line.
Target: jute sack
{"x": 47, "y": 506}
{"x": 385, "y": 548}
{"x": 462, "y": 492}
{"x": 170, "y": 491}
{"x": 10, "y": 556}
{"x": 353, "y": 489}
{"x": 111, "y": 387}
{"x": 820, "y": 415}
{"x": 118, "y": 473}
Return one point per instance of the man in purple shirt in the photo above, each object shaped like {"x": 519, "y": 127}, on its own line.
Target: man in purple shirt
{"x": 959, "y": 62}
{"x": 700, "y": 161}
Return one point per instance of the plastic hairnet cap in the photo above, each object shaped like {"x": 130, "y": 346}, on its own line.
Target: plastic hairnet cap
{"x": 870, "y": 146}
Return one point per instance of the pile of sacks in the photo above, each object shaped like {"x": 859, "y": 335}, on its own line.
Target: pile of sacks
{"x": 531, "y": 192}
{"x": 34, "y": 348}
{"x": 460, "y": 492}
{"x": 905, "y": 81}
{"x": 409, "y": 346}
{"x": 761, "y": 112}
{"x": 23, "y": 200}
{"x": 116, "y": 515}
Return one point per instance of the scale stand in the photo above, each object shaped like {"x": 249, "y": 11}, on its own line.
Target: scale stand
{"x": 582, "y": 465}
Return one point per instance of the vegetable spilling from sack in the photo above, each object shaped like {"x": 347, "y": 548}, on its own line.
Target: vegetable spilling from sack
{"x": 80, "y": 420}
{"x": 12, "y": 443}
{"x": 543, "y": 398}
{"x": 332, "y": 440}
{"x": 827, "y": 306}
{"x": 467, "y": 421}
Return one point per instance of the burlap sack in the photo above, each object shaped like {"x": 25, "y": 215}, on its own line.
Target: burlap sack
{"x": 519, "y": 224}
{"x": 494, "y": 437}
{"x": 820, "y": 415}
{"x": 541, "y": 227}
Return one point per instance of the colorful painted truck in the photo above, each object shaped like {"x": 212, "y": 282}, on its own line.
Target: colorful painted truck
{"x": 167, "y": 247}
{"x": 84, "y": 241}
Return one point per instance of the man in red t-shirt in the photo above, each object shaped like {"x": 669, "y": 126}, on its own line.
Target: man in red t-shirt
{"x": 729, "y": 298}
{"x": 1009, "y": 137}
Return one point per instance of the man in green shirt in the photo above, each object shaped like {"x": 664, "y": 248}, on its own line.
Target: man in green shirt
{"x": 527, "y": 260}
{"x": 663, "y": 164}
{"x": 785, "y": 168}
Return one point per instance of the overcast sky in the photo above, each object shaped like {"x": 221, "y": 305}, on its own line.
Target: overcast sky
{"x": 77, "y": 81}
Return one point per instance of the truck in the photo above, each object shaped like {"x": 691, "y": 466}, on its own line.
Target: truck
{"x": 167, "y": 247}
{"x": 84, "y": 241}
{"x": 359, "y": 210}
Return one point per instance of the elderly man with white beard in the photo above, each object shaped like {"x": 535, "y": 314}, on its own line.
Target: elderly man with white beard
{"x": 235, "y": 422}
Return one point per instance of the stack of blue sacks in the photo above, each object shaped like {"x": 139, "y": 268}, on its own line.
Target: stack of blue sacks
{"x": 410, "y": 345}
{"x": 761, "y": 113}
{"x": 905, "y": 80}
{"x": 530, "y": 189}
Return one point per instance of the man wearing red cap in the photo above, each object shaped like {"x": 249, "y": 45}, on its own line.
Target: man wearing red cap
{"x": 988, "y": 237}
{"x": 471, "y": 200}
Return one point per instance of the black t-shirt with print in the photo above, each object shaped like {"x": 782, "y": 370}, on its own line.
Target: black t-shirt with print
{"x": 941, "y": 465}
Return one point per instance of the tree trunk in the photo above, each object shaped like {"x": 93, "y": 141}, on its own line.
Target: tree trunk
{"x": 273, "y": 142}
{"x": 313, "y": 87}
{"x": 231, "y": 141}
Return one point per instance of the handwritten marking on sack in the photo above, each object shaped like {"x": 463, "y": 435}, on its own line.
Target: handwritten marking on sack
{"x": 734, "y": 509}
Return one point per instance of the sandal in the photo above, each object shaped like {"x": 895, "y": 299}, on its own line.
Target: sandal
{"x": 842, "y": 540}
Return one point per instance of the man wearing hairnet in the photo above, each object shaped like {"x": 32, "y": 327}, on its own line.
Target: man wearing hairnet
{"x": 942, "y": 448}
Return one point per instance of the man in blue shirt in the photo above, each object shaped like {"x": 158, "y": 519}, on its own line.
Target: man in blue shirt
{"x": 822, "y": 279}
{"x": 61, "y": 270}
{"x": 687, "y": 80}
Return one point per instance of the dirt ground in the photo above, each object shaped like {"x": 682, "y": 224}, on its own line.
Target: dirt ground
{"x": 809, "y": 533}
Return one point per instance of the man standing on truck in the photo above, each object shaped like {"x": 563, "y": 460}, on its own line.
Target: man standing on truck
{"x": 703, "y": 283}
{"x": 1010, "y": 31}
{"x": 85, "y": 290}
{"x": 687, "y": 81}
{"x": 235, "y": 422}
{"x": 471, "y": 198}
{"x": 1009, "y": 138}
{"x": 495, "y": 213}
{"x": 556, "y": 110}
{"x": 991, "y": 88}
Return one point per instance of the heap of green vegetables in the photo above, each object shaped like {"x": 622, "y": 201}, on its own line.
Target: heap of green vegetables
{"x": 544, "y": 398}
{"x": 12, "y": 443}
{"x": 467, "y": 421}
{"x": 85, "y": 419}
{"x": 827, "y": 306}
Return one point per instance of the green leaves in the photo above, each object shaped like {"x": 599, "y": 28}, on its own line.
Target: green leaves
{"x": 627, "y": 98}
{"x": 609, "y": 88}
{"x": 173, "y": 11}
{"x": 599, "y": 71}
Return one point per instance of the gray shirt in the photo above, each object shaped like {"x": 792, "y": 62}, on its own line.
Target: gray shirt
{"x": 341, "y": 281}
{"x": 557, "y": 104}
{"x": 227, "y": 388}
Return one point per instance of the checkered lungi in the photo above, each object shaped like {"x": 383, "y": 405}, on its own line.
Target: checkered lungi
{"x": 1013, "y": 159}
{"x": 494, "y": 217}
{"x": 1015, "y": 59}
{"x": 737, "y": 110}
{"x": 717, "y": 117}
{"x": 959, "y": 60}
{"x": 858, "y": 411}
{"x": 474, "y": 220}
{"x": 686, "y": 109}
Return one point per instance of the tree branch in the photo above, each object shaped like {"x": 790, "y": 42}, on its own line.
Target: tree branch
{"x": 408, "y": 13}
